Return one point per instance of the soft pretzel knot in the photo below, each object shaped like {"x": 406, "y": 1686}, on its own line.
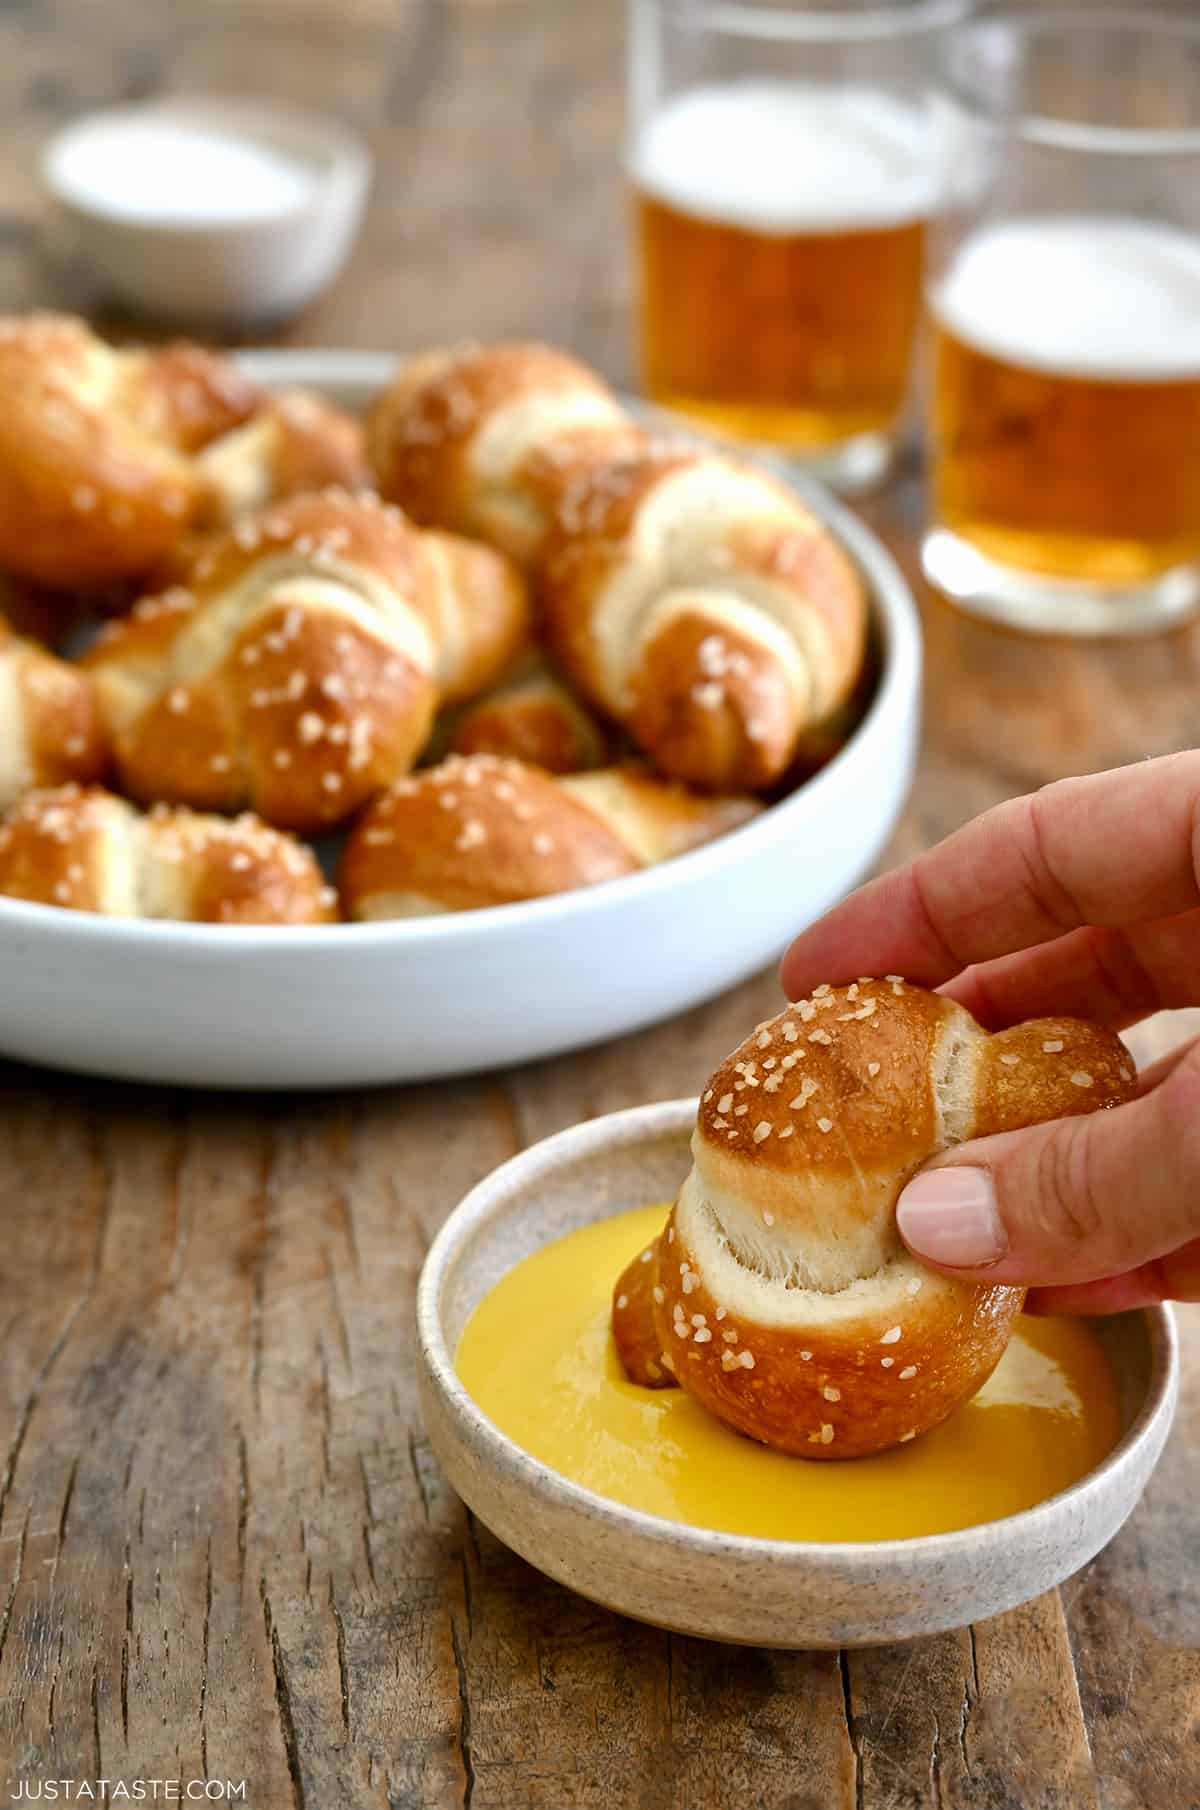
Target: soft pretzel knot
{"x": 293, "y": 443}
{"x": 780, "y": 1295}
{"x": 295, "y": 671}
{"x": 96, "y": 477}
{"x": 479, "y": 439}
{"x": 480, "y": 830}
{"x": 50, "y": 727}
{"x": 82, "y": 848}
{"x": 703, "y": 605}
{"x": 479, "y": 598}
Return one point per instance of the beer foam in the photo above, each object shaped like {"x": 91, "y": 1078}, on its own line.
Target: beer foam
{"x": 1080, "y": 295}
{"x": 787, "y": 157}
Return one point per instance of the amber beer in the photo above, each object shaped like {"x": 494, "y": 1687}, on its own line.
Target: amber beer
{"x": 1066, "y": 397}
{"x": 780, "y": 229}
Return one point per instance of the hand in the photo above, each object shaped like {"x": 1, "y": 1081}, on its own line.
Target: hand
{"x": 1082, "y": 899}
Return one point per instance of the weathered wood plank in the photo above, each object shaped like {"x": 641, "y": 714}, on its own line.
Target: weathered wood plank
{"x": 221, "y": 1447}
{"x": 1134, "y": 1621}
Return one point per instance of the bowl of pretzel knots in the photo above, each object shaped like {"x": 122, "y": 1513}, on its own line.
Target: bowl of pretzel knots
{"x": 367, "y": 719}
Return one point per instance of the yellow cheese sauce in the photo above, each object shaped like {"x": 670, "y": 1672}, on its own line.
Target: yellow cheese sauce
{"x": 538, "y": 1357}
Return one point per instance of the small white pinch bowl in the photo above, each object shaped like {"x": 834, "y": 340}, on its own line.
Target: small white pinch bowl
{"x": 350, "y": 1005}
{"x": 223, "y": 268}
{"x": 722, "y": 1586}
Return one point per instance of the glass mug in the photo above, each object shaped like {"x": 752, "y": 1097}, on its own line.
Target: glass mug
{"x": 784, "y": 169}
{"x": 1064, "y": 286}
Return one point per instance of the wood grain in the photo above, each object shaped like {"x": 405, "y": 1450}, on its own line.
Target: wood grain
{"x": 226, "y": 1551}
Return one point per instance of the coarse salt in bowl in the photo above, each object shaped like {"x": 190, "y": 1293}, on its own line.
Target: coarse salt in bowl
{"x": 209, "y": 210}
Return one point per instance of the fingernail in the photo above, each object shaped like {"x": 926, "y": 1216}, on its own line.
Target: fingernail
{"x": 950, "y": 1216}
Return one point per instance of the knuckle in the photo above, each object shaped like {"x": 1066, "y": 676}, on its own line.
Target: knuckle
{"x": 1038, "y": 848}
{"x": 1069, "y": 1202}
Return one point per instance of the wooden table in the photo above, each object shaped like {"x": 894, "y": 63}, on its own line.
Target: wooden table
{"x": 225, "y": 1549}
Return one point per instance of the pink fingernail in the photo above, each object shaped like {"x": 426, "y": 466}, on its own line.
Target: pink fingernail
{"x": 950, "y": 1216}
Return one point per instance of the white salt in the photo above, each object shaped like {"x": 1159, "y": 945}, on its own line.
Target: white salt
{"x": 164, "y": 170}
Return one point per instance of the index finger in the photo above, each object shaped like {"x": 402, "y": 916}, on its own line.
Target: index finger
{"x": 1115, "y": 848}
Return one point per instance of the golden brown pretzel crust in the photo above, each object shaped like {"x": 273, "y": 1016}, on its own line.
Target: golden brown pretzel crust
{"x": 426, "y": 438}
{"x": 479, "y": 600}
{"x": 95, "y": 479}
{"x": 484, "y": 831}
{"x": 50, "y": 726}
{"x": 85, "y": 850}
{"x": 293, "y": 443}
{"x": 292, "y": 672}
{"x": 635, "y": 1333}
{"x": 657, "y": 818}
{"x": 472, "y": 833}
{"x": 840, "y": 1401}
{"x": 183, "y": 394}
{"x": 751, "y": 626}
{"x": 780, "y": 1288}
{"x": 535, "y": 718}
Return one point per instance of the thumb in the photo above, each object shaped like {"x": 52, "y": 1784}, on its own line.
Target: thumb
{"x": 1068, "y": 1201}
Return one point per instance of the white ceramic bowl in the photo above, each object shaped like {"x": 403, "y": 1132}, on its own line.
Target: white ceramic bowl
{"x": 354, "y": 1004}
{"x": 236, "y": 267}
{"x": 725, "y": 1586}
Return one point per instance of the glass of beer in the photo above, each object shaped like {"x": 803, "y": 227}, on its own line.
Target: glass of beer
{"x": 1064, "y": 285}
{"x": 784, "y": 170}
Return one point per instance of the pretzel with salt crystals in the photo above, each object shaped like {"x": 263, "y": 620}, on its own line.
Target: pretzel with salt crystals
{"x": 294, "y": 443}
{"x": 50, "y": 727}
{"x": 82, "y": 849}
{"x": 297, "y": 668}
{"x": 97, "y": 477}
{"x": 481, "y": 831}
{"x": 780, "y": 1295}
{"x": 694, "y": 599}
{"x": 700, "y": 603}
{"x": 478, "y": 439}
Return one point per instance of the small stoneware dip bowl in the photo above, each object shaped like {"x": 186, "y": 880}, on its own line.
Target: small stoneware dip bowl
{"x": 773, "y": 1593}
